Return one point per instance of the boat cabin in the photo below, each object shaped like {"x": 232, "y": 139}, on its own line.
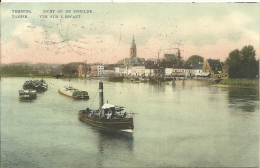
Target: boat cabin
{"x": 111, "y": 111}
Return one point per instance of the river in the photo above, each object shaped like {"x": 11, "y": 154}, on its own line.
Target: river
{"x": 194, "y": 125}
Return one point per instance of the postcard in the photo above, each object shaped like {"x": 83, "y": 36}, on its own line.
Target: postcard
{"x": 129, "y": 84}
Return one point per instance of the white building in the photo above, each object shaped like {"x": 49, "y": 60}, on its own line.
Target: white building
{"x": 108, "y": 71}
{"x": 128, "y": 70}
{"x": 138, "y": 70}
{"x": 177, "y": 71}
{"x": 120, "y": 70}
{"x": 149, "y": 72}
{"x": 197, "y": 69}
{"x": 168, "y": 71}
{"x": 97, "y": 70}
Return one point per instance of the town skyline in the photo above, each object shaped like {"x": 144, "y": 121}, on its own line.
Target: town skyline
{"x": 104, "y": 31}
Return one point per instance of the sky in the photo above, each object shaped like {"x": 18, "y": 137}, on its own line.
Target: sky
{"x": 105, "y": 31}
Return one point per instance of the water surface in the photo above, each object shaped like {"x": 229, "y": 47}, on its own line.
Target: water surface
{"x": 195, "y": 125}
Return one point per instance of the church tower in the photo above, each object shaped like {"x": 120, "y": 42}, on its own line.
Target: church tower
{"x": 133, "y": 49}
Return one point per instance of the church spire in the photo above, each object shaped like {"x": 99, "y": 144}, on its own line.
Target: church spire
{"x": 133, "y": 49}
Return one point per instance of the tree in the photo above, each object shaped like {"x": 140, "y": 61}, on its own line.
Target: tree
{"x": 242, "y": 64}
{"x": 195, "y": 59}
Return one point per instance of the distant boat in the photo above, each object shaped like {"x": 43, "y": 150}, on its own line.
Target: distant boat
{"x": 58, "y": 76}
{"x": 74, "y": 93}
{"x": 115, "y": 78}
{"x": 27, "y": 94}
{"x": 108, "y": 117}
{"x": 38, "y": 85}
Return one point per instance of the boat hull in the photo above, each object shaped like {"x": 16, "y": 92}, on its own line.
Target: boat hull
{"x": 27, "y": 97}
{"x": 68, "y": 94}
{"x": 117, "y": 125}
{"x": 39, "y": 89}
{"x": 27, "y": 94}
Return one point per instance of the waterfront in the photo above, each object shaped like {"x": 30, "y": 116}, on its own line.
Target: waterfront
{"x": 194, "y": 125}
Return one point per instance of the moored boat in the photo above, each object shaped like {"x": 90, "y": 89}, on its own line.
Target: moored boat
{"x": 74, "y": 93}
{"x": 115, "y": 78}
{"x": 108, "y": 117}
{"x": 38, "y": 85}
{"x": 29, "y": 94}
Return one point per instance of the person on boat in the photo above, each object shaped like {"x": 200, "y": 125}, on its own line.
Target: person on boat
{"x": 124, "y": 115}
{"x": 109, "y": 115}
{"x": 113, "y": 114}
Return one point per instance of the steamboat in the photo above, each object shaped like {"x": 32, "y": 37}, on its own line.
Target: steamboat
{"x": 108, "y": 117}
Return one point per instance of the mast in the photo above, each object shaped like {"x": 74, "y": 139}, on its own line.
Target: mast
{"x": 101, "y": 98}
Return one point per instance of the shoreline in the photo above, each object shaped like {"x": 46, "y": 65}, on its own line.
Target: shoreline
{"x": 242, "y": 83}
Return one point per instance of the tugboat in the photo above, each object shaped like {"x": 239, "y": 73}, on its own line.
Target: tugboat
{"x": 38, "y": 85}
{"x": 108, "y": 117}
{"x": 27, "y": 94}
{"x": 74, "y": 93}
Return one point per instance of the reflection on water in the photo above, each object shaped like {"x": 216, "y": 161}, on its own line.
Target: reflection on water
{"x": 112, "y": 145}
{"x": 109, "y": 140}
{"x": 243, "y": 98}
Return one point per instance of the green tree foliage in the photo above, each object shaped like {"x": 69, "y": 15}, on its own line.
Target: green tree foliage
{"x": 68, "y": 69}
{"x": 19, "y": 70}
{"x": 242, "y": 64}
{"x": 195, "y": 59}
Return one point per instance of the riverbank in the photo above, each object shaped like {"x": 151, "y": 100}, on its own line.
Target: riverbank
{"x": 245, "y": 83}
{"x": 223, "y": 83}
{"x": 240, "y": 82}
{"x": 26, "y": 76}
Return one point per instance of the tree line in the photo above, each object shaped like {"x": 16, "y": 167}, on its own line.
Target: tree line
{"x": 242, "y": 63}
{"x": 25, "y": 70}
{"x": 17, "y": 70}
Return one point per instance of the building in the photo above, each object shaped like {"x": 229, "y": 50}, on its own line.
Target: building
{"x": 168, "y": 71}
{"x": 97, "y": 70}
{"x": 196, "y": 69}
{"x": 128, "y": 70}
{"x": 120, "y": 70}
{"x": 80, "y": 71}
{"x": 224, "y": 71}
{"x": 109, "y": 71}
{"x": 133, "y": 49}
{"x": 151, "y": 69}
{"x": 213, "y": 67}
{"x": 133, "y": 59}
{"x": 74, "y": 67}
{"x": 178, "y": 71}
{"x": 138, "y": 70}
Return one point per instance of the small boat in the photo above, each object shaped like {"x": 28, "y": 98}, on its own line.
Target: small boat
{"x": 29, "y": 94}
{"x": 38, "y": 85}
{"x": 108, "y": 117}
{"x": 74, "y": 93}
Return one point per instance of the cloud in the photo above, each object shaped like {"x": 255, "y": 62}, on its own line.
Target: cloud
{"x": 106, "y": 35}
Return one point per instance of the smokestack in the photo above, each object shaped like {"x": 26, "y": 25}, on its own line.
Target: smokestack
{"x": 101, "y": 97}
